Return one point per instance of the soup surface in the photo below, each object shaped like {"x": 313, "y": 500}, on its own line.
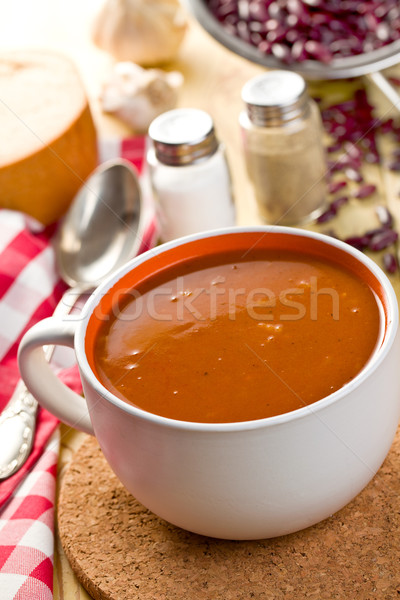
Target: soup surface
{"x": 232, "y": 338}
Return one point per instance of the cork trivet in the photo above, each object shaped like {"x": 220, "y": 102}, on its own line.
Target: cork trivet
{"x": 121, "y": 551}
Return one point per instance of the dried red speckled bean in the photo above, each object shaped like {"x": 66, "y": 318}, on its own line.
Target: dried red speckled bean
{"x": 326, "y": 216}
{"x": 354, "y": 175}
{"x": 387, "y": 126}
{"x": 360, "y": 242}
{"x": 374, "y": 232}
{"x": 390, "y": 262}
{"x": 337, "y": 203}
{"x": 366, "y": 190}
{"x": 335, "y": 186}
{"x": 383, "y": 240}
{"x": 334, "y": 148}
{"x": 395, "y": 165}
{"x": 384, "y": 215}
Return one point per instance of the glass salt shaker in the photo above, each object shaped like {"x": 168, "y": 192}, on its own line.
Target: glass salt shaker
{"x": 189, "y": 174}
{"x": 282, "y": 138}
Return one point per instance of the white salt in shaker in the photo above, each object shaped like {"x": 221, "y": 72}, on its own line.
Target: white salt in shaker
{"x": 283, "y": 142}
{"x": 189, "y": 174}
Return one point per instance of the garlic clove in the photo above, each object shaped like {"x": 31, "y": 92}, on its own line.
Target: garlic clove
{"x": 146, "y": 32}
{"x": 137, "y": 95}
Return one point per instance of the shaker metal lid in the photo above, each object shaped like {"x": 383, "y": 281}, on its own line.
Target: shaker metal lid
{"x": 275, "y": 88}
{"x": 183, "y": 136}
{"x": 275, "y": 97}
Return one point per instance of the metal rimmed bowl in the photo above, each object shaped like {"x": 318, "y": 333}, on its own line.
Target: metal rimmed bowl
{"x": 369, "y": 64}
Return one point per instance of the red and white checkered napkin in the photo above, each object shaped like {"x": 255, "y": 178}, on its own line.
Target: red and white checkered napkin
{"x": 26, "y": 532}
{"x": 30, "y": 289}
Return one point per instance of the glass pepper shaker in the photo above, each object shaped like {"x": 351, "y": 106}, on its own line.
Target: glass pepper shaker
{"x": 282, "y": 138}
{"x": 189, "y": 174}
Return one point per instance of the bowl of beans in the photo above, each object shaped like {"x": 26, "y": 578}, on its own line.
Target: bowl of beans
{"x": 320, "y": 39}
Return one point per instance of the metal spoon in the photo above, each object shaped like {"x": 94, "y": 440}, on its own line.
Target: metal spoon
{"x": 101, "y": 231}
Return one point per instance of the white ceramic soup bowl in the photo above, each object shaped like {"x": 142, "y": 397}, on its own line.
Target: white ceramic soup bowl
{"x": 247, "y": 480}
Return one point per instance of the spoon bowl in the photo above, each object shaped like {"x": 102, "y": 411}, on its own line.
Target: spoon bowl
{"x": 103, "y": 227}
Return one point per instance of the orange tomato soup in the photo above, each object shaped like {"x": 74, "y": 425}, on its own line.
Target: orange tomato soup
{"x": 228, "y": 338}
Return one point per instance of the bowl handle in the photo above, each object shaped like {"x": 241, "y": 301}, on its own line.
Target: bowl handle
{"x": 42, "y": 382}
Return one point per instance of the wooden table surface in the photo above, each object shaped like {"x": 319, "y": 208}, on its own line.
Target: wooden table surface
{"x": 213, "y": 78}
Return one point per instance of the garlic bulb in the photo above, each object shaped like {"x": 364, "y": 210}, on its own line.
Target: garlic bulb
{"x": 147, "y": 32}
{"x": 137, "y": 95}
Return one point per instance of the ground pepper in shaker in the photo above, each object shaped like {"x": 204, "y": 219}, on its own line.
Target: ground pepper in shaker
{"x": 189, "y": 174}
{"x": 282, "y": 137}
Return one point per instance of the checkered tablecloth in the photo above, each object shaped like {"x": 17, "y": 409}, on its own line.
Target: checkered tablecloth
{"x": 30, "y": 289}
{"x": 26, "y": 532}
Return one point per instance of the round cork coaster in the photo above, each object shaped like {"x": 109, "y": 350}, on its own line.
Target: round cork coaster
{"x": 121, "y": 551}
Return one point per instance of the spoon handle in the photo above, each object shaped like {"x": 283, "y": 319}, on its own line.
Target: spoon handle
{"x": 17, "y": 427}
{"x": 18, "y": 419}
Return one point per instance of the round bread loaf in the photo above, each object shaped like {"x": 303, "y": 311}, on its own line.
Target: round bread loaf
{"x": 49, "y": 139}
